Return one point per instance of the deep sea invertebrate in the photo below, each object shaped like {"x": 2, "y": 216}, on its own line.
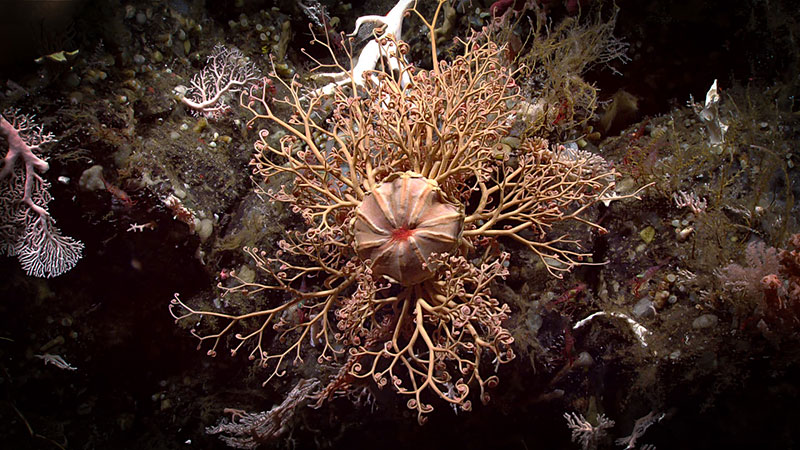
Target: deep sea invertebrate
{"x": 27, "y": 230}
{"x": 404, "y": 190}
{"x": 402, "y": 223}
{"x": 226, "y": 72}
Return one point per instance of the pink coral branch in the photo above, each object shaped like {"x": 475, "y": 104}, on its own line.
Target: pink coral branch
{"x": 18, "y": 149}
{"x": 28, "y": 230}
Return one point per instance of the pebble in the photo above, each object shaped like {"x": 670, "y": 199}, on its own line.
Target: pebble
{"x": 72, "y": 80}
{"x": 705, "y": 321}
{"x": 247, "y": 274}
{"x": 644, "y": 308}
{"x": 75, "y": 98}
{"x": 660, "y": 299}
{"x": 626, "y": 185}
{"x": 178, "y": 192}
{"x": 584, "y": 359}
{"x": 648, "y": 234}
{"x": 512, "y": 141}
{"x": 533, "y": 322}
{"x": 201, "y": 125}
{"x": 138, "y": 59}
{"x": 132, "y": 84}
{"x": 93, "y": 76}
